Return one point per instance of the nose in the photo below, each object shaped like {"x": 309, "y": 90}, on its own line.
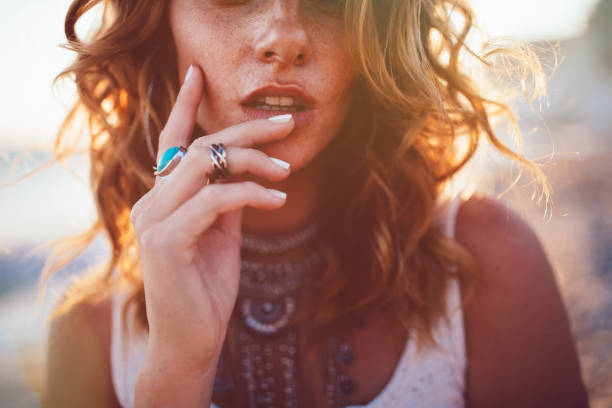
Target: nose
{"x": 283, "y": 38}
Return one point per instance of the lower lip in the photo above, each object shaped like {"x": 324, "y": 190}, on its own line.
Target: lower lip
{"x": 301, "y": 119}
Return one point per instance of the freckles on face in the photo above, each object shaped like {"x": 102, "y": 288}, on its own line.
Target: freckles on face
{"x": 244, "y": 46}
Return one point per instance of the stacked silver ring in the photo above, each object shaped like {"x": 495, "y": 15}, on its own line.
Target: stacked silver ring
{"x": 218, "y": 158}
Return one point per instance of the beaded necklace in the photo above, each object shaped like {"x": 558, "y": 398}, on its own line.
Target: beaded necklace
{"x": 266, "y": 340}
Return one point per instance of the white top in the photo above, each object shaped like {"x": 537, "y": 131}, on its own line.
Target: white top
{"x": 434, "y": 378}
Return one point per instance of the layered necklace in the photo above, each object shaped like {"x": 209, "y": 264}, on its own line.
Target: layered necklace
{"x": 266, "y": 337}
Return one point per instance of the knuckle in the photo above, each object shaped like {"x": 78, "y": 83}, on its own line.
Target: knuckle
{"x": 250, "y": 138}
{"x": 252, "y": 187}
{"x": 153, "y": 240}
{"x": 196, "y": 157}
{"x": 191, "y": 157}
{"x": 138, "y": 224}
{"x": 136, "y": 212}
{"x": 200, "y": 142}
{"x": 241, "y": 134}
{"x": 135, "y": 219}
{"x": 208, "y": 192}
{"x": 147, "y": 239}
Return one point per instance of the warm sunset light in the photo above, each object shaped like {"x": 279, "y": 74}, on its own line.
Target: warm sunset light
{"x": 566, "y": 134}
{"x": 32, "y": 31}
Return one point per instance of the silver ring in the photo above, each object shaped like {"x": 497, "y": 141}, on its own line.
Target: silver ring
{"x": 219, "y": 162}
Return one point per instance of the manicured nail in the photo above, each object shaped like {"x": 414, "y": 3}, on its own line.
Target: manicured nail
{"x": 189, "y": 72}
{"x": 280, "y": 162}
{"x": 280, "y": 118}
{"x": 277, "y": 194}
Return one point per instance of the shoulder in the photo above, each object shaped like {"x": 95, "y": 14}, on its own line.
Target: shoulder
{"x": 519, "y": 344}
{"x": 495, "y": 235}
{"x": 78, "y": 358}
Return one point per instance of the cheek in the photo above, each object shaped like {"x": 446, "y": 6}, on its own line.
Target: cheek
{"x": 339, "y": 81}
{"x": 193, "y": 33}
{"x": 337, "y": 67}
{"x": 224, "y": 81}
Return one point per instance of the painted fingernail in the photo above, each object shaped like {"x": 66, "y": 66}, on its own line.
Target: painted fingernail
{"x": 277, "y": 194}
{"x": 189, "y": 72}
{"x": 280, "y": 162}
{"x": 280, "y": 118}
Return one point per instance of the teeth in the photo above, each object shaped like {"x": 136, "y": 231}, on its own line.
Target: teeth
{"x": 272, "y": 100}
{"x": 278, "y": 103}
{"x": 278, "y": 100}
{"x": 286, "y": 101}
{"x": 293, "y": 108}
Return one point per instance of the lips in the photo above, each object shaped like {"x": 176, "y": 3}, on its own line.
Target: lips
{"x": 299, "y": 96}
{"x": 275, "y": 100}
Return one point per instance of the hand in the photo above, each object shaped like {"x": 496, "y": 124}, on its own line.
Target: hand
{"x": 189, "y": 233}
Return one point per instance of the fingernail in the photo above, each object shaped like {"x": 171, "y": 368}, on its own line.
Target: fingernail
{"x": 277, "y": 194}
{"x": 280, "y": 118}
{"x": 280, "y": 162}
{"x": 189, "y": 72}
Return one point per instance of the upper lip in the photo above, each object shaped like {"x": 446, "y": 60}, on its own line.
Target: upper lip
{"x": 294, "y": 91}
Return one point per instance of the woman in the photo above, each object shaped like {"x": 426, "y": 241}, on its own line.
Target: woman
{"x": 294, "y": 246}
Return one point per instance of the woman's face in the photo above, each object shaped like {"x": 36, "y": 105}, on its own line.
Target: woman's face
{"x": 268, "y": 57}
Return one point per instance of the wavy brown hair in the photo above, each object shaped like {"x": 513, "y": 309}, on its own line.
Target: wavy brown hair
{"x": 418, "y": 118}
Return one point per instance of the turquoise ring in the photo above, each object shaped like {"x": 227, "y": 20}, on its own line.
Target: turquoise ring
{"x": 171, "y": 158}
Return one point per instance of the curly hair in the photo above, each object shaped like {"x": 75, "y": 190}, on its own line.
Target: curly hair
{"x": 418, "y": 118}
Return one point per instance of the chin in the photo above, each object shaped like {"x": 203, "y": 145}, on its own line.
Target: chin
{"x": 299, "y": 155}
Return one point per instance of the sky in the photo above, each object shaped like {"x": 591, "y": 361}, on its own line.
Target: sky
{"x": 534, "y": 19}
{"x": 30, "y": 112}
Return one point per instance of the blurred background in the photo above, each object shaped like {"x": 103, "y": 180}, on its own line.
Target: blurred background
{"x": 569, "y": 134}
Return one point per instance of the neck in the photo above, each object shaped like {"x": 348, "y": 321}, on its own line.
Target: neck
{"x": 303, "y": 189}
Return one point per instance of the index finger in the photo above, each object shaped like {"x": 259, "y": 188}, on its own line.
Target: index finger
{"x": 179, "y": 127}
